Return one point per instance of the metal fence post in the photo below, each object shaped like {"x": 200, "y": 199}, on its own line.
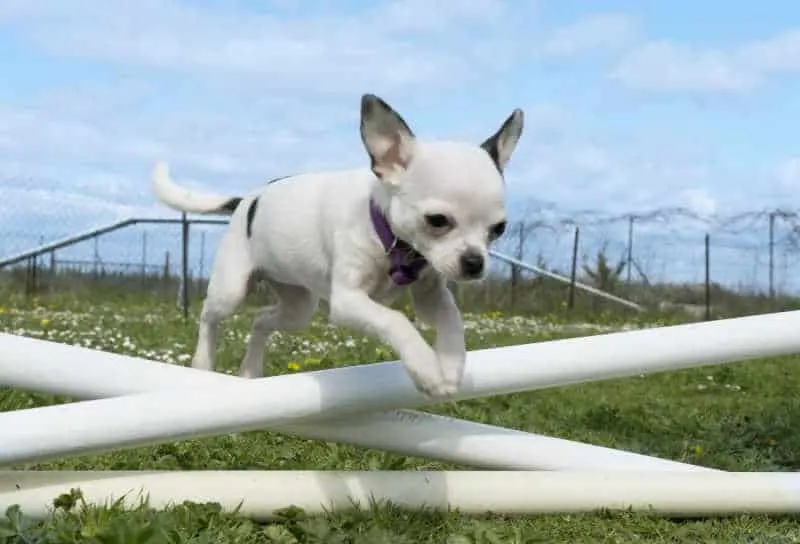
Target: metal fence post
{"x": 573, "y": 270}
{"x": 708, "y": 277}
{"x": 185, "y": 265}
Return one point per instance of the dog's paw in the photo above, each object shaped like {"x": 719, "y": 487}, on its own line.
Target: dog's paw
{"x": 444, "y": 390}
{"x": 425, "y": 374}
{"x": 200, "y": 362}
{"x": 250, "y": 373}
{"x": 434, "y": 387}
{"x": 440, "y": 390}
{"x": 453, "y": 369}
{"x": 251, "y": 369}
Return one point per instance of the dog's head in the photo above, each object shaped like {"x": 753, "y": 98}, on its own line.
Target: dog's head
{"x": 446, "y": 199}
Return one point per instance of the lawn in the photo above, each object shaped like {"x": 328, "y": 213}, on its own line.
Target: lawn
{"x": 734, "y": 417}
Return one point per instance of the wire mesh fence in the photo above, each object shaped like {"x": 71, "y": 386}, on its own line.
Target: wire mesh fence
{"x": 752, "y": 252}
{"x": 138, "y": 255}
{"x": 661, "y": 258}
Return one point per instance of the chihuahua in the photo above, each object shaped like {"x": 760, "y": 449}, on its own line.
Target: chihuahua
{"x": 423, "y": 214}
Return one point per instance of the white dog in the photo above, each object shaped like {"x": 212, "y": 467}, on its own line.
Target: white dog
{"x": 422, "y": 214}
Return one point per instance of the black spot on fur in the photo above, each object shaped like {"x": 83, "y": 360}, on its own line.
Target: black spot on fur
{"x": 231, "y": 205}
{"x": 251, "y": 214}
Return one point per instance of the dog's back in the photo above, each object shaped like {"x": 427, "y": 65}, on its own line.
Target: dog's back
{"x": 295, "y": 220}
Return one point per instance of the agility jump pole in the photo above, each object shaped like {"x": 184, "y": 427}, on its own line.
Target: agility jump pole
{"x": 558, "y": 277}
{"x": 82, "y": 373}
{"x": 683, "y": 494}
{"x": 148, "y": 418}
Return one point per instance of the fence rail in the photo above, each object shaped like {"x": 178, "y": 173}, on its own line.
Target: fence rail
{"x": 100, "y": 231}
{"x": 572, "y": 282}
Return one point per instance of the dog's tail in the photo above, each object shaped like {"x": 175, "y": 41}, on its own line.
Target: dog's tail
{"x": 185, "y": 200}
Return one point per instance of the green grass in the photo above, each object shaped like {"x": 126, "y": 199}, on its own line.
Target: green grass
{"x": 734, "y": 417}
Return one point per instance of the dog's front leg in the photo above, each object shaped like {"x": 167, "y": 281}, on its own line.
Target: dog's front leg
{"x": 435, "y": 305}
{"x": 353, "y": 307}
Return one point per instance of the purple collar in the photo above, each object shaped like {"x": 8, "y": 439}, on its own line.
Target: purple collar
{"x": 405, "y": 262}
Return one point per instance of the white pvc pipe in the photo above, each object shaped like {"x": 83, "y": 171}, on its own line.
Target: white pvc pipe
{"x": 77, "y": 372}
{"x": 259, "y": 494}
{"x": 148, "y": 418}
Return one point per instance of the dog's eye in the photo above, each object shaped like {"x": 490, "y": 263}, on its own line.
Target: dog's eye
{"x": 498, "y": 229}
{"x": 437, "y": 220}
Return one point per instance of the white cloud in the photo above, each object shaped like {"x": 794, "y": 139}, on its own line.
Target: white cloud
{"x": 424, "y": 15}
{"x": 788, "y": 174}
{"x": 390, "y": 46}
{"x": 592, "y": 159}
{"x": 66, "y": 208}
{"x": 581, "y": 174}
{"x": 781, "y": 53}
{"x": 27, "y": 133}
{"x": 664, "y": 66}
{"x": 318, "y": 54}
{"x": 672, "y": 67}
{"x": 599, "y": 32}
{"x": 699, "y": 202}
{"x": 272, "y": 138}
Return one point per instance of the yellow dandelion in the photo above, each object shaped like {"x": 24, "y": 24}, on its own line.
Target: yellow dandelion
{"x": 698, "y": 450}
{"x": 45, "y": 321}
{"x": 293, "y": 365}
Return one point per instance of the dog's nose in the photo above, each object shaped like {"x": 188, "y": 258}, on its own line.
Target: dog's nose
{"x": 472, "y": 264}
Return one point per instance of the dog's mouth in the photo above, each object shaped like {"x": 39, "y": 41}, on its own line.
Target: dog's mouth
{"x": 467, "y": 278}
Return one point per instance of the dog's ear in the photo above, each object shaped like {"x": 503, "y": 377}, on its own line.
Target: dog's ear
{"x": 502, "y": 143}
{"x": 386, "y": 136}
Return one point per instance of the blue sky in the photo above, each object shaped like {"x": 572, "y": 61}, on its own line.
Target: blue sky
{"x": 631, "y": 106}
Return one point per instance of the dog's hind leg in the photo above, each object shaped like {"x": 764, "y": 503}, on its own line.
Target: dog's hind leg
{"x": 227, "y": 288}
{"x": 293, "y": 311}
